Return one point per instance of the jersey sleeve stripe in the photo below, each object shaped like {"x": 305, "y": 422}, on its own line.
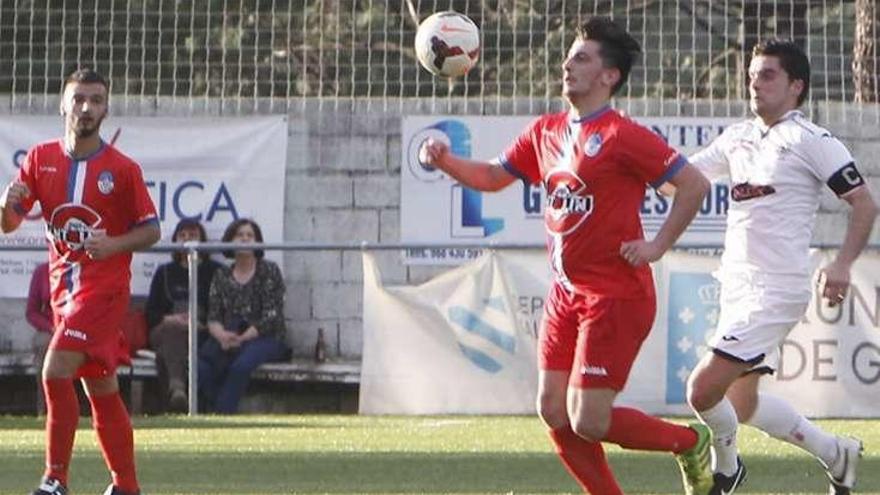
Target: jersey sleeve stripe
{"x": 512, "y": 170}
{"x": 673, "y": 169}
{"x": 148, "y": 221}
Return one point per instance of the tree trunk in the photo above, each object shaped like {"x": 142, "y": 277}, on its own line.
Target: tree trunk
{"x": 864, "y": 51}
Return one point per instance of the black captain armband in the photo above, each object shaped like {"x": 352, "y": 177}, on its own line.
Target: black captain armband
{"x": 846, "y": 179}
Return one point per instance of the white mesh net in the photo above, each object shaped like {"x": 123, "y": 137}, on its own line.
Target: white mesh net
{"x": 246, "y": 56}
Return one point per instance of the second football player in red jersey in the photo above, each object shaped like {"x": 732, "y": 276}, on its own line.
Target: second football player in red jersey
{"x": 97, "y": 211}
{"x": 594, "y": 165}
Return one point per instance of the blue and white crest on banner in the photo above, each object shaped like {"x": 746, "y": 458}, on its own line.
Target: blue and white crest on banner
{"x": 483, "y": 335}
{"x": 482, "y": 321}
{"x": 594, "y": 144}
{"x": 693, "y": 311}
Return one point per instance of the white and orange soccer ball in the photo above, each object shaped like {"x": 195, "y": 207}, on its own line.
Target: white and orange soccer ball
{"x": 448, "y": 44}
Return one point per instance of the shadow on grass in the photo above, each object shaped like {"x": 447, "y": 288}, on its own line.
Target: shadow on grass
{"x": 24, "y": 423}
{"x": 204, "y": 422}
{"x": 165, "y": 473}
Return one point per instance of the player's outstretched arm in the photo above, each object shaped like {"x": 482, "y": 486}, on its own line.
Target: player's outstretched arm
{"x": 479, "y": 175}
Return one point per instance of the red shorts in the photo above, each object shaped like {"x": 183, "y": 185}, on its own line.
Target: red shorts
{"x": 595, "y": 338}
{"x": 95, "y": 329}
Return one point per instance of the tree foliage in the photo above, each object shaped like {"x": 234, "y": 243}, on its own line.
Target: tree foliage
{"x": 363, "y": 48}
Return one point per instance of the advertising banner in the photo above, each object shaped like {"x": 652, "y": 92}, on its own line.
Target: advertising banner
{"x": 216, "y": 170}
{"x": 434, "y": 209}
{"x": 464, "y": 343}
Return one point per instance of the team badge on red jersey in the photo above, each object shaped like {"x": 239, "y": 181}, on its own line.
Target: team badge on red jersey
{"x": 105, "y": 182}
{"x": 568, "y": 203}
{"x": 593, "y": 145}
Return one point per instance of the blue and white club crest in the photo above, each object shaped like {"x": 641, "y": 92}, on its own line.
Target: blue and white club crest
{"x": 594, "y": 144}
{"x": 105, "y": 182}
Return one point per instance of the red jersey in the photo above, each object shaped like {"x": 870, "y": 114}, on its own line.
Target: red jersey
{"x": 594, "y": 172}
{"x": 102, "y": 192}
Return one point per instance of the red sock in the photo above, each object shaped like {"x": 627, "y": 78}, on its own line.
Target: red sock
{"x": 585, "y": 461}
{"x": 113, "y": 426}
{"x": 62, "y": 416}
{"x": 633, "y": 429}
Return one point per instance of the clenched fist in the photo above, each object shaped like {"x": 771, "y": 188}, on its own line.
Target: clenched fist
{"x": 432, "y": 151}
{"x": 14, "y": 194}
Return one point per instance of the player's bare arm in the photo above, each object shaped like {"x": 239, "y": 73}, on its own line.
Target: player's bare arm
{"x": 15, "y": 192}
{"x": 479, "y": 175}
{"x": 835, "y": 277}
{"x": 691, "y": 187}
{"x": 101, "y": 246}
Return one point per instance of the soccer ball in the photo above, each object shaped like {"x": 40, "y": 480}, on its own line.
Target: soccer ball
{"x": 448, "y": 44}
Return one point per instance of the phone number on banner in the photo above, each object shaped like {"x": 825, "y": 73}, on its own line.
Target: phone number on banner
{"x": 441, "y": 256}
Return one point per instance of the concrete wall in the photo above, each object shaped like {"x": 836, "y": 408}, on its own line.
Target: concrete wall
{"x": 343, "y": 185}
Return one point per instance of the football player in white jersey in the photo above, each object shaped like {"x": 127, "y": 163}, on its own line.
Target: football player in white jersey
{"x": 778, "y": 164}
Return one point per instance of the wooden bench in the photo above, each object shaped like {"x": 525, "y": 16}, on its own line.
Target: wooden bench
{"x": 143, "y": 367}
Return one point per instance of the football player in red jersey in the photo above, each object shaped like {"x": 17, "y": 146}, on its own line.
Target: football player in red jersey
{"x": 594, "y": 165}
{"x": 98, "y": 211}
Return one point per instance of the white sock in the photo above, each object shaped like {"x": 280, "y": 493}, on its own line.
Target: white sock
{"x": 777, "y": 418}
{"x": 721, "y": 419}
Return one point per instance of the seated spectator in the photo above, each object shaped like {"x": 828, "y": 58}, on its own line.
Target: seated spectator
{"x": 39, "y": 315}
{"x": 245, "y": 321}
{"x": 167, "y": 313}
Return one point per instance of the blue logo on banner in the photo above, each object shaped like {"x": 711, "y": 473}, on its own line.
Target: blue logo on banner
{"x": 467, "y": 217}
{"x": 692, "y": 316}
{"x": 491, "y": 338}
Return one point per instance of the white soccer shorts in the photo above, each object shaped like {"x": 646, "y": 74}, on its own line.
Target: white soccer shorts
{"x": 755, "y": 319}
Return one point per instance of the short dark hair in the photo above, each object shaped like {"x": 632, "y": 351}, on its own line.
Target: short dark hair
{"x": 189, "y": 223}
{"x": 618, "y": 48}
{"x": 85, "y": 75}
{"x": 792, "y": 58}
{"x": 233, "y": 227}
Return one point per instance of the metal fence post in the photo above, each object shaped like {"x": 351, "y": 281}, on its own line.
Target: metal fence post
{"x": 193, "y": 262}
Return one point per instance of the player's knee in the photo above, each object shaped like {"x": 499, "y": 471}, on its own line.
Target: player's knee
{"x": 50, "y": 373}
{"x": 552, "y": 411}
{"x": 590, "y": 428}
{"x": 54, "y": 369}
{"x": 99, "y": 387}
{"x": 701, "y": 394}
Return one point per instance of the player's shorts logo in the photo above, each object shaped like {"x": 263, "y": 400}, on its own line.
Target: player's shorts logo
{"x": 70, "y": 225}
{"x": 568, "y": 203}
{"x": 76, "y": 334}
{"x": 105, "y": 182}
{"x": 593, "y": 370}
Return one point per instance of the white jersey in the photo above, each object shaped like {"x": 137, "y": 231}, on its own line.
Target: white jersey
{"x": 776, "y": 174}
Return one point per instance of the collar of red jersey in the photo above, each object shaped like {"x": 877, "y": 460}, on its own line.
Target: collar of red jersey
{"x": 593, "y": 116}
{"x": 88, "y": 157}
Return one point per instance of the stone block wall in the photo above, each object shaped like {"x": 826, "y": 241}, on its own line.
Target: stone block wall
{"x": 343, "y": 186}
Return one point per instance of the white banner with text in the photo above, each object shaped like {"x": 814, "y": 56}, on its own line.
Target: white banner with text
{"x": 465, "y": 342}
{"x": 434, "y": 209}
{"x": 216, "y": 170}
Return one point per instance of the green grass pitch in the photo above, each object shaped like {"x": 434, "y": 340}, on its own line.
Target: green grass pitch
{"x": 389, "y": 455}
